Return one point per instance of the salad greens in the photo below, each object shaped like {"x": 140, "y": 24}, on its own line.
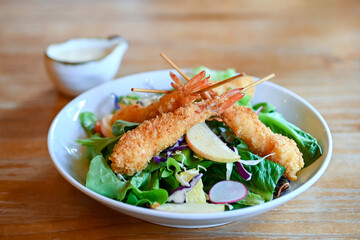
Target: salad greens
{"x": 308, "y": 145}
{"x": 88, "y": 121}
{"x": 96, "y": 144}
{"x": 265, "y": 174}
{"x": 216, "y": 75}
{"x": 160, "y": 178}
{"x": 120, "y": 127}
{"x": 139, "y": 190}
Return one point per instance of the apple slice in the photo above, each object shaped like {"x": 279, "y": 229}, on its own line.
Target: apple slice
{"x": 205, "y": 143}
{"x": 196, "y": 194}
{"x": 191, "y": 207}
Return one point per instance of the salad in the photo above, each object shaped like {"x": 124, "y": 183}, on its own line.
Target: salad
{"x": 183, "y": 177}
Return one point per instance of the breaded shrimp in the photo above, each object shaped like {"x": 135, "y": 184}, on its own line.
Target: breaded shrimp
{"x": 261, "y": 140}
{"x": 167, "y": 103}
{"x": 136, "y": 147}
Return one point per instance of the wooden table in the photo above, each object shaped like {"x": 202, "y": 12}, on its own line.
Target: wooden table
{"x": 312, "y": 46}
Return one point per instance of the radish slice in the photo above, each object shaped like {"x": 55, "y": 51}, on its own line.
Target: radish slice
{"x": 227, "y": 192}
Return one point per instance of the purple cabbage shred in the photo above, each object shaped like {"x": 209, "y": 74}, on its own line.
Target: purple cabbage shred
{"x": 234, "y": 149}
{"x": 259, "y": 110}
{"x": 243, "y": 172}
{"x": 169, "y": 151}
{"x": 173, "y": 149}
{"x": 116, "y": 101}
{"x": 178, "y": 196}
{"x": 159, "y": 159}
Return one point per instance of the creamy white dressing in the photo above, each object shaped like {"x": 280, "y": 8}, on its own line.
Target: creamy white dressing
{"x": 82, "y": 54}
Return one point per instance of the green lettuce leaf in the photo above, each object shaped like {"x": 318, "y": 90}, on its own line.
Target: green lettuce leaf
{"x": 140, "y": 179}
{"x": 129, "y": 99}
{"x": 96, "y": 144}
{"x": 307, "y": 144}
{"x": 266, "y": 107}
{"x": 172, "y": 166}
{"x": 102, "y": 179}
{"x": 88, "y": 121}
{"x": 120, "y": 127}
{"x": 162, "y": 174}
{"x": 169, "y": 183}
{"x": 265, "y": 175}
{"x": 154, "y": 166}
{"x": 144, "y": 198}
{"x": 251, "y": 199}
{"x": 153, "y": 182}
{"x": 214, "y": 74}
{"x": 245, "y": 101}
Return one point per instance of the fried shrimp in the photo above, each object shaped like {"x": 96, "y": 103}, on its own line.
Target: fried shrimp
{"x": 244, "y": 122}
{"x": 261, "y": 140}
{"x": 136, "y": 147}
{"x": 169, "y": 102}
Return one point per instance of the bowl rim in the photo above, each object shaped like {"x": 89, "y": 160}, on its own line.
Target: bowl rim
{"x": 186, "y": 216}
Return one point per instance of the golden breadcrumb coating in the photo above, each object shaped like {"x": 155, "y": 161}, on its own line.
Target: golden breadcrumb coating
{"x": 262, "y": 141}
{"x": 136, "y": 147}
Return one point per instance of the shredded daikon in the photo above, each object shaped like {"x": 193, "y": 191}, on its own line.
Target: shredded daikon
{"x": 254, "y": 162}
{"x": 229, "y": 168}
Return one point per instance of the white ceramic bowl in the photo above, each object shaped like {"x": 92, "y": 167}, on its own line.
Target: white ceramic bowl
{"x": 79, "y": 64}
{"x": 67, "y": 154}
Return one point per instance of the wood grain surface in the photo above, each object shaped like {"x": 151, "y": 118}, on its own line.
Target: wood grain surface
{"x": 312, "y": 46}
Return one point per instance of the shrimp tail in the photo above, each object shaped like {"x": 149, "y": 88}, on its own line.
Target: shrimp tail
{"x": 183, "y": 94}
{"x": 227, "y": 100}
{"x": 177, "y": 84}
{"x": 197, "y": 83}
{"x": 204, "y": 83}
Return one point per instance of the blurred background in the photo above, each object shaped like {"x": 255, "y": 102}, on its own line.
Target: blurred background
{"x": 306, "y": 43}
{"x": 312, "y": 46}
{"x": 257, "y": 37}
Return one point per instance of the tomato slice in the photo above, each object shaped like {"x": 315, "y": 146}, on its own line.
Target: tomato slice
{"x": 97, "y": 128}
